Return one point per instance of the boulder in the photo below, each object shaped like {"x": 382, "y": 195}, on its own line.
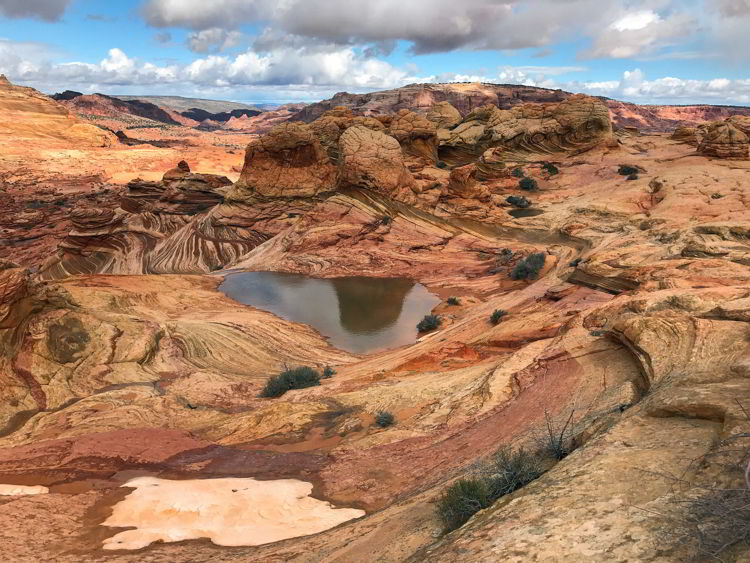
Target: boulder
{"x": 688, "y": 135}
{"x": 724, "y": 140}
{"x": 373, "y": 160}
{"x": 444, "y": 115}
{"x": 288, "y": 162}
{"x": 416, "y": 134}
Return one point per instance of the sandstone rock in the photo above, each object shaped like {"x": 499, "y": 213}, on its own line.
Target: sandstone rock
{"x": 288, "y": 162}
{"x": 724, "y": 140}
{"x": 688, "y": 135}
{"x": 444, "y": 115}
{"x": 416, "y": 134}
{"x": 373, "y": 160}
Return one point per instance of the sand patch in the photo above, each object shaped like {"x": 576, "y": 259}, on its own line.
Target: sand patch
{"x": 18, "y": 490}
{"x": 229, "y": 512}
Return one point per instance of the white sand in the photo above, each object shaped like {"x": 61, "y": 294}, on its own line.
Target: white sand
{"x": 18, "y": 490}
{"x": 230, "y": 512}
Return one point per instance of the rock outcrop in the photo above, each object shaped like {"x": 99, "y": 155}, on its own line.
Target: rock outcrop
{"x": 444, "y": 115}
{"x": 290, "y": 161}
{"x": 724, "y": 140}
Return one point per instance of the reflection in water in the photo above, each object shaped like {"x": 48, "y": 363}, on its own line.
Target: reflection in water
{"x": 357, "y": 314}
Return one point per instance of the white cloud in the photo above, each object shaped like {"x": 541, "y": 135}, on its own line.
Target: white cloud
{"x": 635, "y": 21}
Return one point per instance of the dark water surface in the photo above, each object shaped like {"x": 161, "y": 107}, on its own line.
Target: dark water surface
{"x": 357, "y": 314}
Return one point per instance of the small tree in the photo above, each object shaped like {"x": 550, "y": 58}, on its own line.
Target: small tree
{"x": 529, "y": 267}
{"x": 453, "y": 301}
{"x": 428, "y": 323}
{"x": 328, "y": 372}
{"x": 383, "y": 418}
{"x": 519, "y": 201}
{"x": 528, "y": 184}
{"x": 297, "y": 378}
{"x": 518, "y": 173}
{"x": 497, "y": 316}
{"x": 550, "y": 168}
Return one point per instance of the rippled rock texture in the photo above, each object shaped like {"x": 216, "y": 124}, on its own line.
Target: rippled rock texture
{"x": 635, "y": 330}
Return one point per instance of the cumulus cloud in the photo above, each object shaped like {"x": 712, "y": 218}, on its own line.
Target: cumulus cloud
{"x": 48, "y": 10}
{"x": 213, "y": 40}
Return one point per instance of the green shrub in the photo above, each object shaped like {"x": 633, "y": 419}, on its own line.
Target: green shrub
{"x": 508, "y": 470}
{"x": 632, "y": 177}
{"x": 528, "y": 184}
{"x": 461, "y": 501}
{"x": 441, "y": 164}
{"x": 328, "y": 372}
{"x": 383, "y": 418}
{"x": 453, "y": 301}
{"x": 518, "y": 173}
{"x": 550, "y": 168}
{"x": 529, "y": 267}
{"x": 497, "y": 316}
{"x": 519, "y": 201}
{"x": 428, "y": 323}
{"x": 627, "y": 170}
{"x": 297, "y": 378}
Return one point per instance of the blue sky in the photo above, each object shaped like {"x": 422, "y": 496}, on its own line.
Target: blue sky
{"x": 646, "y": 51}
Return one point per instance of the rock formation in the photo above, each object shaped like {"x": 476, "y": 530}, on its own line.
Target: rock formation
{"x": 631, "y": 341}
{"x": 724, "y": 140}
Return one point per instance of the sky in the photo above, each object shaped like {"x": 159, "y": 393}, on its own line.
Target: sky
{"x": 643, "y": 51}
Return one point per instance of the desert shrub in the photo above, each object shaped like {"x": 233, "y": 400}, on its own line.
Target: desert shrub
{"x": 716, "y": 195}
{"x": 428, "y": 323}
{"x": 461, "y": 501}
{"x": 383, "y": 418}
{"x": 632, "y": 177}
{"x": 497, "y": 316}
{"x": 507, "y": 471}
{"x": 519, "y": 201}
{"x": 627, "y": 170}
{"x": 529, "y": 267}
{"x": 328, "y": 372}
{"x": 453, "y": 301}
{"x": 554, "y": 439}
{"x": 297, "y": 378}
{"x": 528, "y": 184}
{"x": 517, "y": 173}
{"x": 550, "y": 168}
{"x": 574, "y": 263}
{"x": 441, "y": 164}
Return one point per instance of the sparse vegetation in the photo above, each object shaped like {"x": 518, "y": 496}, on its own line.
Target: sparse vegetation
{"x": 576, "y": 262}
{"x": 428, "y": 323}
{"x": 383, "y": 419}
{"x": 550, "y": 168}
{"x": 529, "y": 267}
{"x": 519, "y": 201}
{"x": 508, "y": 470}
{"x": 627, "y": 170}
{"x": 453, "y": 301}
{"x": 441, "y": 164}
{"x": 632, "y": 177}
{"x": 461, "y": 501}
{"x": 497, "y": 316}
{"x": 503, "y": 473}
{"x": 555, "y": 440}
{"x": 517, "y": 173}
{"x": 528, "y": 184}
{"x": 297, "y": 378}
{"x": 328, "y": 372}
